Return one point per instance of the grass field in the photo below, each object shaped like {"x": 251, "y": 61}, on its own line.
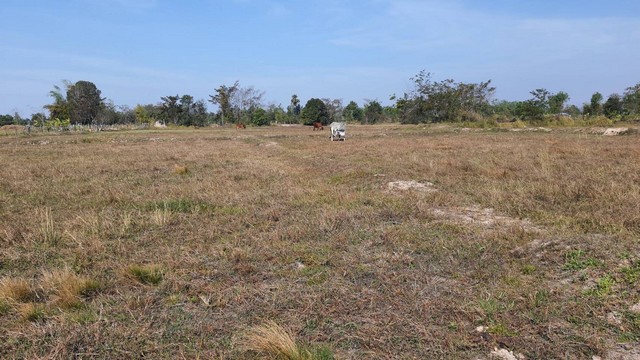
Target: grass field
{"x": 277, "y": 243}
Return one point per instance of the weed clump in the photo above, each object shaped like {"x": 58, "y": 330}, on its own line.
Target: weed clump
{"x": 148, "y": 274}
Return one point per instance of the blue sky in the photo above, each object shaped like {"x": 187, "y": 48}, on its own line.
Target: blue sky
{"x": 136, "y": 51}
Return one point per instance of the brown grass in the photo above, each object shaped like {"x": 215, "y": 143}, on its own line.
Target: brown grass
{"x": 67, "y": 288}
{"x": 16, "y": 289}
{"x": 272, "y": 340}
{"x": 531, "y": 235}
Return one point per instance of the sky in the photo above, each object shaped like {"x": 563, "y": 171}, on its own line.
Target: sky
{"x": 137, "y": 51}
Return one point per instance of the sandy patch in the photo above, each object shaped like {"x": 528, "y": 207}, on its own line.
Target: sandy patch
{"x": 486, "y": 217}
{"x": 411, "y": 185}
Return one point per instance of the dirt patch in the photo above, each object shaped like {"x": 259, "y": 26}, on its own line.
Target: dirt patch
{"x": 486, "y": 217}
{"x": 269, "y": 144}
{"x": 411, "y": 185}
{"x": 504, "y": 354}
{"x": 534, "y": 129}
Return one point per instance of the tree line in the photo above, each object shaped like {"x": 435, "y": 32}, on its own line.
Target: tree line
{"x": 429, "y": 101}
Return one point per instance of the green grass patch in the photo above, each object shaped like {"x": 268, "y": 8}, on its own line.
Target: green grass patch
{"x": 148, "y": 274}
{"x": 578, "y": 260}
{"x": 33, "y": 312}
{"x": 604, "y": 286}
{"x": 4, "y": 307}
{"x": 631, "y": 273}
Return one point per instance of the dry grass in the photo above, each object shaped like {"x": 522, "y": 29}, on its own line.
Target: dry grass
{"x": 67, "y": 288}
{"x": 272, "y": 340}
{"x": 531, "y": 237}
{"x": 16, "y": 289}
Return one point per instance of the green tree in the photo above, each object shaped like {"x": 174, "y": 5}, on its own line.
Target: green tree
{"x": 613, "y": 106}
{"x": 353, "y": 112}
{"x": 294, "y": 108}
{"x": 595, "y": 105}
{"x": 277, "y": 114}
{"x": 60, "y": 107}
{"x": 38, "y": 119}
{"x": 109, "y": 114}
{"x": 315, "y": 110}
{"x": 557, "y": 102}
{"x": 573, "y": 110}
{"x": 503, "y": 109}
{"x": 373, "y": 112}
{"x": 260, "y": 117}
{"x": 222, "y": 98}
{"x": 84, "y": 102}
{"x": 170, "y": 108}
{"x": 142, "y": 115}
{"x": 446, "y": 100}
{"x": 534, "y": 108}
{"x": 6, "y": 120}
{"x": 631, "y": 100}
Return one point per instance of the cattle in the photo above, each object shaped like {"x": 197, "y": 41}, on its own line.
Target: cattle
{"x": 317, "y": 126}
{"x": 240, "y": 126}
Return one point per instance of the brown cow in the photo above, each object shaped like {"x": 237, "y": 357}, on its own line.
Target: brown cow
{"x": 240, "y": 126}
{"x": 317, "y": 126}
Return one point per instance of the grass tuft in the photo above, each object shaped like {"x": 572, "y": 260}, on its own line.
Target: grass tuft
{"x": 180, "y": 170}
{"x": 32, "y": 312}
{"x": 146, "y": 274}
{"x": 48, "y": 232}
{"x": 274, "y": 342}
{"x": 16, "y": 290}
{"x": 68, "y": 288}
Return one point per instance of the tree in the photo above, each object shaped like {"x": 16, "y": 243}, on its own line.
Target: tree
{"x": 557, "y": 102}
{"x": 505, "y": 110}
{"x": 373, "y": 112}
{"x": 631, "y": 100}
{"x": 60, "y": 108}
{"x": 170, "y": 109}
{"x": 245, "y": 101}
{"x": 572, "y": 110}
{"x": 595, "y": 104}
{"x": 84, "y": 102}
{"x": 352, "y": 112}
{"x": 294, "y": 107}
{"x": 223, "y": 97}
{"x": 534, "y": 108}
{"x": 198, "y": 115}
{"x": 38, "y": 119}
{"x": 613, "y": 106}
{"x": 334, "y": 108}
{"x": 109, "y": 113}
{"x": 145, "y": 114}
{"x": 6, "y": 120}
{"x": 315, "y": 110}
{"x": 260, "y": 117}
{"x": 444, "y": 101}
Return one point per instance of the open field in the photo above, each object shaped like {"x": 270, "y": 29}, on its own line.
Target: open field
{"x": 192, "y": 243}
